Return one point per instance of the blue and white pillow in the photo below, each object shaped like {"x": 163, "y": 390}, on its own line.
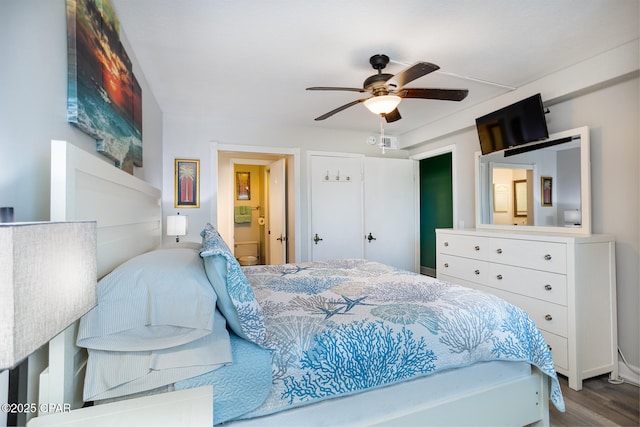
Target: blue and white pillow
{"x": 236, "y": 299}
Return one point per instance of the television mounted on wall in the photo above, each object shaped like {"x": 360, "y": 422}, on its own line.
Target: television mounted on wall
{"x": 515, "y": 124}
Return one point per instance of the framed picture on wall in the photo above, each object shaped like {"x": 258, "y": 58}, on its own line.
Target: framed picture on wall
{"x": 546, "y": 188}
{"x": 243, "y": 184}
{"x": 187, "y": 183}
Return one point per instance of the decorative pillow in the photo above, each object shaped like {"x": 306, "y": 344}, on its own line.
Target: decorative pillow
{"x": 157, "y": 300}
{"x": 236, "y": 299}
{"x": 118, "y": 373}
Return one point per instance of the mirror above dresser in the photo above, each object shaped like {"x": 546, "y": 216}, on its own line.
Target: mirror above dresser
{"x": 541, "y": 186}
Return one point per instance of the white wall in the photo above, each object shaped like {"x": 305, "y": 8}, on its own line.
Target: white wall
{"x": 612, "y": 114}
{"x": 33, "y": 106}
{"x": 192, "y": 137}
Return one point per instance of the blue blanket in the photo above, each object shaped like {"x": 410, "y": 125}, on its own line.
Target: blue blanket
{"x": 342, "y": 327}
{"x": 240, "y": 386}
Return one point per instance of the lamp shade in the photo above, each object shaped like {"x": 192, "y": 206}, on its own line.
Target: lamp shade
{"x": 48, "y": 276}
{"x": 382, "y": 104}
{"x": 177, "y": 225}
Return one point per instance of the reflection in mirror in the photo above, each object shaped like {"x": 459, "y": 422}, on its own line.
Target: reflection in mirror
{"x": 510, "y": 186}
{"x": 520, "y": 198}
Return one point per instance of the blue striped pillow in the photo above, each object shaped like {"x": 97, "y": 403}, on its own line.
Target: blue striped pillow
{"x": 156, "y": 300}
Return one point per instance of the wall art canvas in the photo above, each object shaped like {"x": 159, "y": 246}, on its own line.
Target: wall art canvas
{"x": 104, "y": 99}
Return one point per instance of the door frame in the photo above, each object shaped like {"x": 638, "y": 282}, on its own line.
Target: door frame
{"x": 224, "y": 210}
{"x": 454, "y": 187}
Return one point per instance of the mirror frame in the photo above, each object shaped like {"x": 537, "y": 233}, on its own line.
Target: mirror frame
{"x": 585, "y": 189}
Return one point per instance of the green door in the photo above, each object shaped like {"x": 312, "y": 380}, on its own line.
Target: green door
{"x": 436, "y": 206}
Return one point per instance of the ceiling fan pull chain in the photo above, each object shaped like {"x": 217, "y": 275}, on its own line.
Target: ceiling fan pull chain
{"x": 382, "y": 133}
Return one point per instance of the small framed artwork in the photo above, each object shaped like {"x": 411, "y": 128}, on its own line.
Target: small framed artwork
{"x": 546, "y": 190}
{"x": 187, "y": 183}
{"x": 243, "y": 185}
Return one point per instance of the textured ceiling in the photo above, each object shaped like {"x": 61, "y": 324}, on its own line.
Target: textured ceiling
{"x": 243, "y": 61}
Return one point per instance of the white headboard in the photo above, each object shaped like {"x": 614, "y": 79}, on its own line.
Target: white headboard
{"x": 129, "y": 222}
{"x": 128, "y": 210}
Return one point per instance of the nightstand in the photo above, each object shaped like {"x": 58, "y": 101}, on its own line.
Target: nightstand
{"x": 192, "y": 407}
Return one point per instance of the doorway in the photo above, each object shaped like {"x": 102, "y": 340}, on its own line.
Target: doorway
{"x": 250, "y": 209}
{"x": 436, "y": 203}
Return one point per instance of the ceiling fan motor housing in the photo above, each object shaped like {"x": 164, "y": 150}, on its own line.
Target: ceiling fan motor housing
{"x": 376, "y": 84}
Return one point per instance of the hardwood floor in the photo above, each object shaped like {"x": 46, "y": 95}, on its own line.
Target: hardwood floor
{"x": 599, "y": 403}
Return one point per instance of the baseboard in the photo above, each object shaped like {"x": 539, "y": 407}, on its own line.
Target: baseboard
{"x": 628, "y": 375}
{"x": 428, "y": 271}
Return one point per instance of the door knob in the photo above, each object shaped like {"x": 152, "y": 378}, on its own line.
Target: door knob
{"x": 370, "y": 238}
{"x": 316, "y": 239}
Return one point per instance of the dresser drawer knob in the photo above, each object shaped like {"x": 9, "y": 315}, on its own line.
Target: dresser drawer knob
{"x": 446, "y": 244}
{"x": 477, "y": 248}
{"x": 499, "y": 250}
{"x": 548, "y": 318}
{"x": 476, "y": 272}
{"x": 446, "y": 265}
{"x": 547, "y": 287}
{"x": 499, "y": 277}
{"x": 547, "y": 257}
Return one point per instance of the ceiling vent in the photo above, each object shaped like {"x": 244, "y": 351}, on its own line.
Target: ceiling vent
{"x": 388, "y": 142}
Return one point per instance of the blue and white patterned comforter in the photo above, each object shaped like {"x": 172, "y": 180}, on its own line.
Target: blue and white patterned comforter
{"x": 341, "y": 327}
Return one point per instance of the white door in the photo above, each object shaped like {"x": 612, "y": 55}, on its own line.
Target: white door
{"x": 277, "y": 249}
{"x": 336, "y": 208}
{"x": 390, "y": 197}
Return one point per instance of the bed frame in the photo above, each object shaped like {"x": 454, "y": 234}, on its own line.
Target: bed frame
{"x": 128, "y": 214}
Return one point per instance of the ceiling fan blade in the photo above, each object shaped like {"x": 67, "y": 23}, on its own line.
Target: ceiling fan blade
{"x": 393, "y": 116}
{"x": 350, "y": 89}
{"x": 443, "y": 94}
{"x": 410, "y": 74}
{"x": 337, "y": 110}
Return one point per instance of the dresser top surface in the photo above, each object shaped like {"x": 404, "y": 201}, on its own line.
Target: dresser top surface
{"x": 529, "y": 235}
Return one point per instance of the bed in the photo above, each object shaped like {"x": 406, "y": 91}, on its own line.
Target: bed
{"x": 343, "y": 342}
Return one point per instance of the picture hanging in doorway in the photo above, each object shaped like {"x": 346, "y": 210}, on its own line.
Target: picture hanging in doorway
{"x": 546, "y": 188}
{"x": 243, "y": 184}
{"x": 187, "y": 183}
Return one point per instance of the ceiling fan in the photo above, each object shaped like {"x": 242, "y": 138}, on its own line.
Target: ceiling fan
{"x": 387, "y": 90}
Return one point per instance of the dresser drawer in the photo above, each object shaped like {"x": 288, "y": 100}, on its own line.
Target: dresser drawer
{"x": 463, "y": 268}
{"x": 551, "y": 287}
{"x": 559, "y": 349}
{"x": 547, "y": 316}
{"x": 463, "y": 245}
{"x": 546, "y": 256}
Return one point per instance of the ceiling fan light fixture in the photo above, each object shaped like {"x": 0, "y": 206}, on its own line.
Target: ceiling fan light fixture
{"x": 382, "y": 104}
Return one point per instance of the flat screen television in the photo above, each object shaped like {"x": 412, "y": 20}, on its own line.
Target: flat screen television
{"x": 516, "y": 124}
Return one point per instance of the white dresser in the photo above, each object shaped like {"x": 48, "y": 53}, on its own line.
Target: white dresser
{"x": 566, "y": 283}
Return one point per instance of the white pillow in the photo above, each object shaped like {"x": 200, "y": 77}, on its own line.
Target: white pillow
{"x": 118, "y": 373}
{"x": 157, "y": 300}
